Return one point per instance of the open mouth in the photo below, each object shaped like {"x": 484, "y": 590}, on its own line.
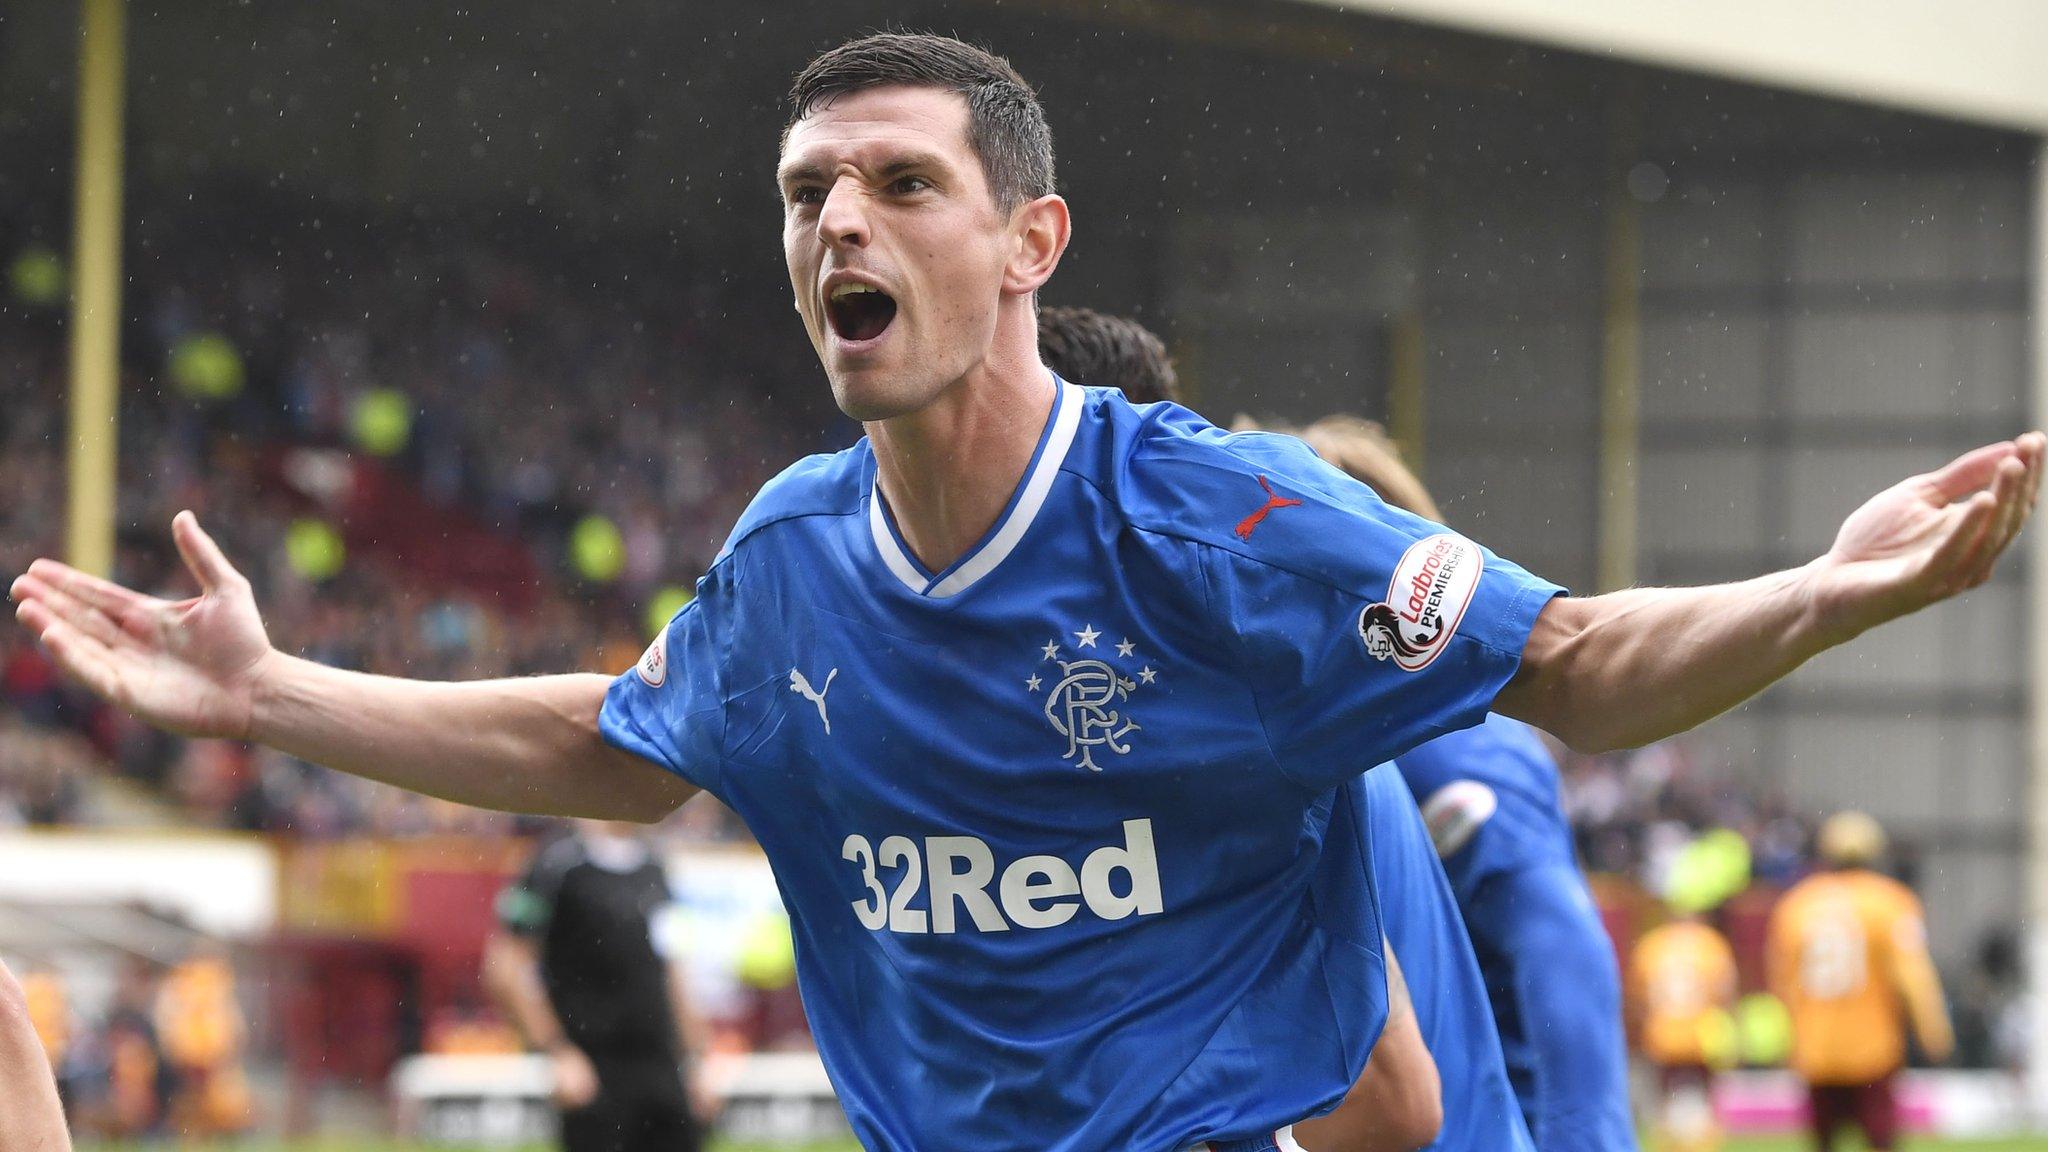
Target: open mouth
{"x": 859, "y": 312}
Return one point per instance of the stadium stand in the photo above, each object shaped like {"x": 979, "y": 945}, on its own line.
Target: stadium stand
{"x": 452, "y": 420}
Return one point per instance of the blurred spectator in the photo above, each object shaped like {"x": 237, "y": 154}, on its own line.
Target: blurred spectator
{"x": 1992, "y": 1011}
{"x": 49, "y": 1012}
{"x": 133, "y": 1080}
{"x": 202, "y": 1035}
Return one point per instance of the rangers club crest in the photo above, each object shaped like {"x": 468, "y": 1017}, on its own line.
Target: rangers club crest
{"x": 1088, "y": 700}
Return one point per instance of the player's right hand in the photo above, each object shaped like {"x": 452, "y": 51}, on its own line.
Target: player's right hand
{"x": 1930, "y": 537}
{"x": 575, "y": 1078}
{"x": 191, "y": 666}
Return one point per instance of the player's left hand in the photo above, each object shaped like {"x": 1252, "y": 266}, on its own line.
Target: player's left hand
{"x": 1931, "y": 536}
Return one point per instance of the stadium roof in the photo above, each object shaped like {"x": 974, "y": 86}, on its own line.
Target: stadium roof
{"x": 1978, "y": 61}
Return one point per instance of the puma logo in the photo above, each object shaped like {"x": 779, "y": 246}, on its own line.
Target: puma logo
{"x": 802, "y": 687}
{"x": 1245, "y": 526}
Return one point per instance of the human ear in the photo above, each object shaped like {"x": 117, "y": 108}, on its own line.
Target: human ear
{"x": 1040, "y": 231}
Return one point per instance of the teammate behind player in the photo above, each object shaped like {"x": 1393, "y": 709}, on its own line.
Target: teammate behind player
{"x": 1480, "y": 1113}
{"x": 1848, "y": 956}
{"x": 1078, "y": 901}
{"x": 1445, "y": 993}
{"x": 1096, "y": 348}
{"x": 1492, "y": 802}
{"x": 1491, "y": 797}
{"x": 1682, "y": 984}
{"x": 31, "y": 1118}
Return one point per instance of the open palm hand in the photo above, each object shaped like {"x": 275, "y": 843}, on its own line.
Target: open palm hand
{"x": 1931, "y": 536}
{"x": 190, "y": 666}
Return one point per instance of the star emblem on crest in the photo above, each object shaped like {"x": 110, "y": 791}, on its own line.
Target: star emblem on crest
{"x": 1089, "y": 701}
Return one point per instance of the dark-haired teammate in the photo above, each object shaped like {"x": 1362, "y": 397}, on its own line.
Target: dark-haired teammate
{"x": 1490, "y": 797}
{"x": 1035, "y": 701}
{"x": 1445, "y": 990}
{"x": 1106, "y": 351}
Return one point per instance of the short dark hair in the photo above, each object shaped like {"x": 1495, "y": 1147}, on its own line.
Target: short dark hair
{"x": 1089, "y": 347}
{"x": 1005, "y": 123}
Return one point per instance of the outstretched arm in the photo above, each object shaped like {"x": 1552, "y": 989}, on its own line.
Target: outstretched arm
{"x": 1631, "y": 667}
{"x": 204, "y": 667}
{"x": 521, "y": 745}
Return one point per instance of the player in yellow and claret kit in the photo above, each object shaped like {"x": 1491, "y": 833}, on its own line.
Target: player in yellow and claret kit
{"x": 1681, "y": 985}
{"x": 1848, "y": 956}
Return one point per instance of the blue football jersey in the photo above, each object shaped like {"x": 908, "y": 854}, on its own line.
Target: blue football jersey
{"x": 1422, "y": 923}
{"x": 1051, "y": 824}
{"x": 1490, "y": 796}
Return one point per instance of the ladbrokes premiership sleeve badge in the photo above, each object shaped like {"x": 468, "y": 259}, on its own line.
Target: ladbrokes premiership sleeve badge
{"x": 1431, "y": 588}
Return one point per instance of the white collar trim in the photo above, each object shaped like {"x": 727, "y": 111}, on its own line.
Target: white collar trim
{"x": 1066, "y": 419}
{"x": 885, "y": 542}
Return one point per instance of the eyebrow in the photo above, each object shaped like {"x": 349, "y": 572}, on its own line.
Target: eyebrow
{"x": 895, "y": 167}
{"x": 910, "y": 162}
{"x": 800, "y": 172}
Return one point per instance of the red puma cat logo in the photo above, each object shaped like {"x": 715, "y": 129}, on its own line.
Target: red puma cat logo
{"x": 1245, "y": 526}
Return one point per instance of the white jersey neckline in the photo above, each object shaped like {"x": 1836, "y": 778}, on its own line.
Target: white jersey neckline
{"x": 1030, "y": 496}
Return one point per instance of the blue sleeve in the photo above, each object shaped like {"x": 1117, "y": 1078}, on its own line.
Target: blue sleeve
{"x": 670, "y": 707}
{"x": 1363, "y": 630}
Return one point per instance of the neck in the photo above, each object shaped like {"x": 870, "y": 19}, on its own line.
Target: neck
{"x": 949, "y": 468}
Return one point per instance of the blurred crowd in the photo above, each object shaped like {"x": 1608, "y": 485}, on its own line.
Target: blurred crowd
{"x": 584, "y": 419}
{"x": 1633, "y": 813}
{"x": 1639, "y": 816}
{"x": 165, "y": 1053}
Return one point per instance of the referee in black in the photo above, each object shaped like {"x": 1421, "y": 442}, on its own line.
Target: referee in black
{"x": 576, "y": 964}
